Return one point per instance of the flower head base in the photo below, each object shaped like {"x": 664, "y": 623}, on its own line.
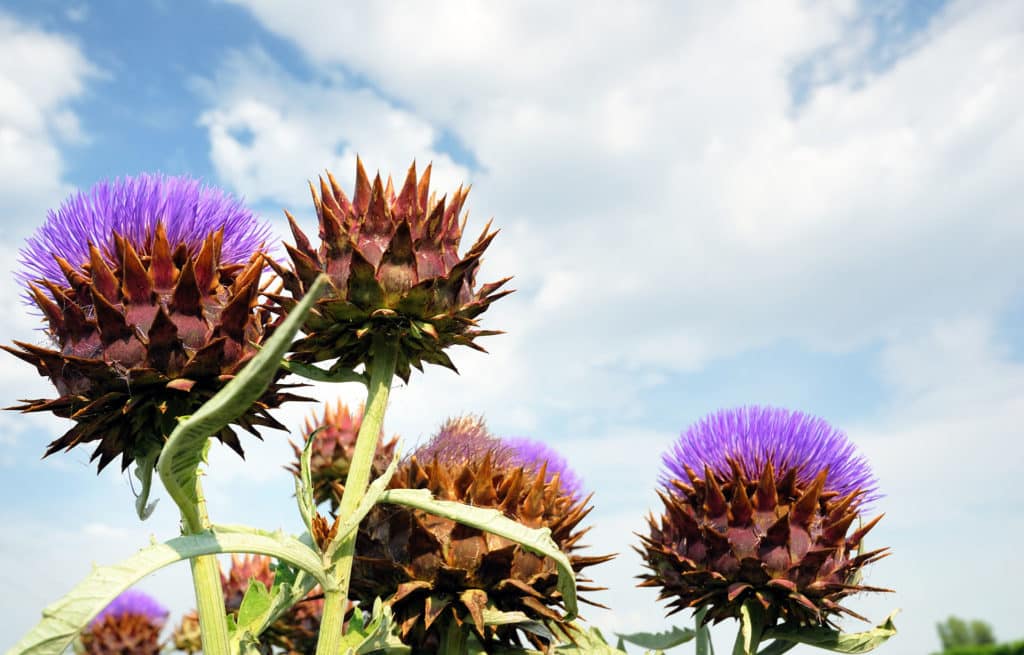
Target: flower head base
{"x": 395, "y": 269}
{"x": 129, "y": 624}
{"x": 434, "y": 571}
{"x": 333, "y": 448}
{"x": 775, "y": 535}
{"x": 152, "y": 318}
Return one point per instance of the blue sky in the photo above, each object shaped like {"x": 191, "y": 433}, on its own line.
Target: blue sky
{"x": 809, "y": 205}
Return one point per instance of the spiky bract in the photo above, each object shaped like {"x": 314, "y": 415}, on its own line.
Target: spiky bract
{"x": 333, "y": 447}
{"x": 778, "y": 535}
{"x": 434, "y": 571}
{"x": 395, "y": 271}
{"x": 146, "y": 328}
{"x": 130, "y": 625}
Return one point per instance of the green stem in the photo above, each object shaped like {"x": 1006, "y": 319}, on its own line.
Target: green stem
{"x": 382, "y": 370}
{"x": 453, "y": 640}
{"x": 703, "y": 635}
{"x": 206, "y": 581}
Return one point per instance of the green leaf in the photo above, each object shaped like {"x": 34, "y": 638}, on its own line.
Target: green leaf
{"x": 586, "y": 642}
{"x": 375, "y": 634}
{"x": 777, "y": 647}
{"x": 751, "y": 628}
{"x": 304, "y": 483}
{"x": 840, "y": 642}
{"x": 489, "y": 520}
{"x": 183, "y": 452}
{"x": 659, "y": 640}
{"x": 255, "y": 604}
{"x": 144, "y": 464}
{"x": 311, "y": 372}
{"x": 519, "y": 620}
{"x": 66, "y": 618}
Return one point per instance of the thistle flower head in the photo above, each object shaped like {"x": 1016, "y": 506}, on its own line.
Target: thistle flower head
{"x": 395, "y": 271}
{"x": 131, "y": 623}
{"x": 759, "y": 504}
{"x": 334, "y": 445}
{"x": 149, "y": 289}
{"x": 434, "y": 571}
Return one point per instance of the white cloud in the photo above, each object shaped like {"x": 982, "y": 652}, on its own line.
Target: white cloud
{"x": 664, "y": 203}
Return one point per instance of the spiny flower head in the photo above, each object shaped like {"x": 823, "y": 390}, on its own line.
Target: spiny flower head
{"x": 131, "y": 623}
{"x": 759, "y": 503}
{"x": 533, "y": 453}
{"x": 149, "y": 289}
{"x": 395, "y": 270}
{"x": 333, "y": 448}
{"x": 434, "y": 571}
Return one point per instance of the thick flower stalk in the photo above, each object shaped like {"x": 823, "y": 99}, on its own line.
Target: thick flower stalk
{"x": 435, "y": 572}
{"x": 149, "y": 290}
{"x": 763, "y": 507}
{"x": 334, "y": 444}
{"x": 396, "y": 273}
{"x": 130, "y": 625}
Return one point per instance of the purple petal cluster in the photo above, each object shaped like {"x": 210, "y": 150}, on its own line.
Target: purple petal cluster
{"x": 754, "y": 436}
{"x": 132, "y": 207}
{"x": 133, "y": 601}
{"x": 530, "y": 453}
{"x": 467, "y": 439}
{"x": 463, "y": 439}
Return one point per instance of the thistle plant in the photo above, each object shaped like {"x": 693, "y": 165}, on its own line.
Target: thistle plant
{"x": 168, "y": 322}
{"x": 760, "y": 506}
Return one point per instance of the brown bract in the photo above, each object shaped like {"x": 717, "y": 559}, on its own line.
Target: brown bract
{"x": 395, "y": 271}
{"x": 139, "y": 344}
{"x": 723, "y": 542}
{"x": 434, "y": 571}
{"x": 136, "y": 634}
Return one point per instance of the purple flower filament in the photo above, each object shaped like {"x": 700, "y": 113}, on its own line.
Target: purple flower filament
{"x": 753, "y": 436}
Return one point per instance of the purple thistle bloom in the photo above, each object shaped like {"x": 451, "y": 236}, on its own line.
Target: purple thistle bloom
{"x": 133, "y": 601}
{"x": 531, "y": 453}
{"x": 463, "y": 439}
{"x": 467, "y": 439}
{"x": 132, "y": 207}
{"x": 754, "y": 436}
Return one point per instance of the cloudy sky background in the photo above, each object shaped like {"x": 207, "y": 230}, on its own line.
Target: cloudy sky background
{"x": 812, "y": 205}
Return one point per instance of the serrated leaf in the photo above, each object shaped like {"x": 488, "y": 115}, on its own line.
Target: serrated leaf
{"x": 489, "y": 520}
{"x": 751, "y": 629}
{"x": 519, "y": 620}
{"x": 183, "y": 451}
{"x": 587, "y": 642}
{"x": 317, "y": 374}
{"x": 255, "y": 605}
{"x": 840, "y": 642}
{"x": 375, "y": 634}
{"x": 67, "y": 617}
{"x": 659, "y": 640}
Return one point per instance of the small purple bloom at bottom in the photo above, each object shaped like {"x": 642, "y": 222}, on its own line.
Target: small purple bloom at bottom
{"x": 133, "y": 601}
